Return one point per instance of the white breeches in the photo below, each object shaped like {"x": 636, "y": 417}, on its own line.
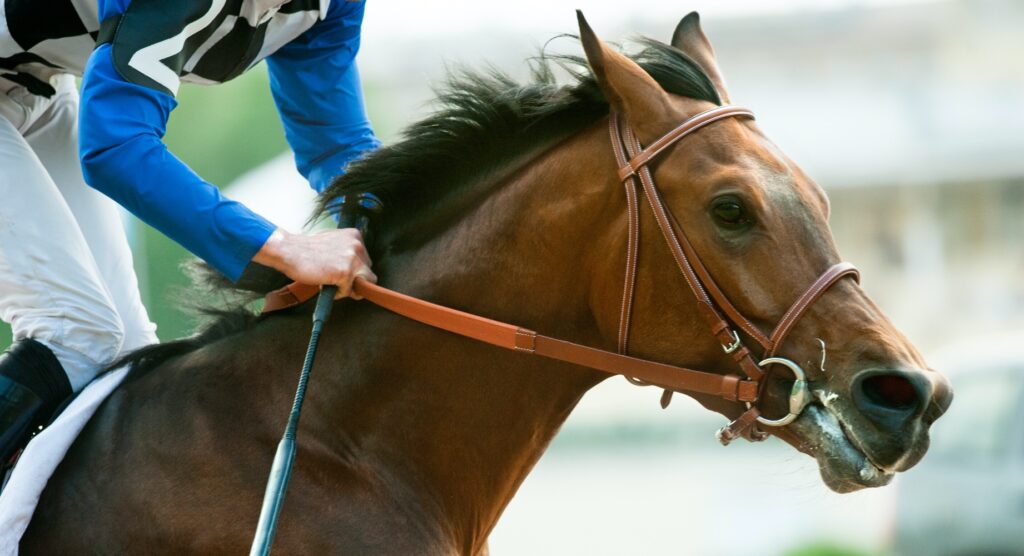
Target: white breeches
{"x": 66, "y": 275}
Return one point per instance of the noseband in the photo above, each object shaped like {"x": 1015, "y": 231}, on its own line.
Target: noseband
{"x": 715, "y": 308}
{"x": 635, "y": 173}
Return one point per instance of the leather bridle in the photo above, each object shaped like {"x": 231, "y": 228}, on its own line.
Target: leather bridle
{"x": 633, "y": 161}
{"x": 715, "y": 308}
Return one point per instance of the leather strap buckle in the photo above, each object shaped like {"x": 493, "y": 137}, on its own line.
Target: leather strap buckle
{"x": 736, "y": 343}
{"x": 745, "y": 426}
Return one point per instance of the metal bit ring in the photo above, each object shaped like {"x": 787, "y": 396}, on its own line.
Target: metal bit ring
{"x": 799, "y": 396}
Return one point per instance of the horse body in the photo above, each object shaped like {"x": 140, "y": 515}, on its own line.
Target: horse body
{"x": 413, "y": 440}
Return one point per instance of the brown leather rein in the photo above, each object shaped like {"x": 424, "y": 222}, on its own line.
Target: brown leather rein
{"x": 633, "y": 161}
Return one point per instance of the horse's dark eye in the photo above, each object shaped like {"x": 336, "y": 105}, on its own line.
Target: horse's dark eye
{"x": 730, "y": 215}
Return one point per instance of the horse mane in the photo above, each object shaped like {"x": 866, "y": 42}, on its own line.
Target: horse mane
{"x": 483, "y": 121}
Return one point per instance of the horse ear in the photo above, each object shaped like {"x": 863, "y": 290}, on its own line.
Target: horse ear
{"x": 690, "y": 38}
{"x": 628, "y": 88}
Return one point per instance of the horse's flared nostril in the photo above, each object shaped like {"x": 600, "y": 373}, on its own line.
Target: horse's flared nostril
{"x": 891, "y": 398}
{"x": 890, "y": 391}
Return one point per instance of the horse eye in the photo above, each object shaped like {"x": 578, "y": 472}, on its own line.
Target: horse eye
{"x": 729, "y": 214}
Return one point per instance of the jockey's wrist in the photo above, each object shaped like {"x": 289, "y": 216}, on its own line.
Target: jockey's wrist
{"x": 274, "y": 250}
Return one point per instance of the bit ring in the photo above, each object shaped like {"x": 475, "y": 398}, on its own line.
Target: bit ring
{"x": 799, "y": 395}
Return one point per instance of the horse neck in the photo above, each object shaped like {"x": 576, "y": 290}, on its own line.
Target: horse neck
{"x": 458, "y": 422}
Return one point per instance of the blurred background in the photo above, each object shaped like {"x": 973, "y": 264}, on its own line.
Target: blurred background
{"x": 909, "y": 113}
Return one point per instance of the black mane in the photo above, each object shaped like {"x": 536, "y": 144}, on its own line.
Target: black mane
{"x": 483, "y": 122}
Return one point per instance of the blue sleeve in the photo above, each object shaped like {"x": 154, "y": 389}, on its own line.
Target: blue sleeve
{"x": 121, "y": 128}
{"x": 316, "y": 86}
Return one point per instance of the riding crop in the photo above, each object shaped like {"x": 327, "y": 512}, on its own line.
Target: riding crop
{"x": 355, "y": 212}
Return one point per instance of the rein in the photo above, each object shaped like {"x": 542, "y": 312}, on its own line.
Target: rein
{"x": 635, "y": 174}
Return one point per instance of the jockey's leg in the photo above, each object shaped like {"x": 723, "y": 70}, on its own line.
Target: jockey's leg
{"x": 54, "y": 138}
{"x": 51, "y": 290}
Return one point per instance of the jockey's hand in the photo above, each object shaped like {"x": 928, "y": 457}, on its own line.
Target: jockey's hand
{"x": 333, "y": 257}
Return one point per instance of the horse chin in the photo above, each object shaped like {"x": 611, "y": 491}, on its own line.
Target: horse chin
{"x": 843, "y": 465}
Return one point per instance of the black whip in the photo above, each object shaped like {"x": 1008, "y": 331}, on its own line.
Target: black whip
{"x": 355, "y": 212}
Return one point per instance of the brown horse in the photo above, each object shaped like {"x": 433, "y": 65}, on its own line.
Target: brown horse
{"x": 505, "y": 203}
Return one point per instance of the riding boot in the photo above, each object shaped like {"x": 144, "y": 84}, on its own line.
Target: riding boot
{"x": 32, "y": 386}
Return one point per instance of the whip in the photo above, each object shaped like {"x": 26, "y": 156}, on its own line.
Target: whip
{"x": 355, "y": 212}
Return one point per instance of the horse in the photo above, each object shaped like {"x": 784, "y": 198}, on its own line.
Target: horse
{"x": 507, "y": 202}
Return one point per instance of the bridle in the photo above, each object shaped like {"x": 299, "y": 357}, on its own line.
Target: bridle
{"x": 633, "y": 161}
{"x": 716, "y": 309}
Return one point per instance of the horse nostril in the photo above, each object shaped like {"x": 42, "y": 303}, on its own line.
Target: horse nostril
{"x": 890, "y": 398}
{"x": 890, "y": 391}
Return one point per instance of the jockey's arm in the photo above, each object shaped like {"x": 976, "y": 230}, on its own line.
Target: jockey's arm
{"x": 122, "y": 124}
{"x": 316, "y": 86}
{"x": 318, "y": 94}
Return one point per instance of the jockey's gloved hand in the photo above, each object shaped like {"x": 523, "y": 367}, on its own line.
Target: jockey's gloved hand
{"x": 332, "y": 257}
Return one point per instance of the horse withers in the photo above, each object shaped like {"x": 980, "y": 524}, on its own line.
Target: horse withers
{"x": 507, "y": 203}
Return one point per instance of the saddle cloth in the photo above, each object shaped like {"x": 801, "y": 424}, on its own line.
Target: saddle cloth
{"x": 25, "y": 484}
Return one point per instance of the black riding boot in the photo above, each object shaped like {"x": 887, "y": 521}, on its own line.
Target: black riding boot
{"x": 32, "y": 386}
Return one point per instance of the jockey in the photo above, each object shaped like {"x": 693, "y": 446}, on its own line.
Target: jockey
{"x": 67, "y": 287}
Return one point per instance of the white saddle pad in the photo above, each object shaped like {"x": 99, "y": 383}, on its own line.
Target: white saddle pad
{"x": 40, "y": 459}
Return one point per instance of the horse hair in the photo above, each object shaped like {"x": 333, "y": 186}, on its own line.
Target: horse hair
{"x": 483, "y": 121}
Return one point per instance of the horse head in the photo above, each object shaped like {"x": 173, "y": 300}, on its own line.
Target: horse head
{"x": 759, "y": 226}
